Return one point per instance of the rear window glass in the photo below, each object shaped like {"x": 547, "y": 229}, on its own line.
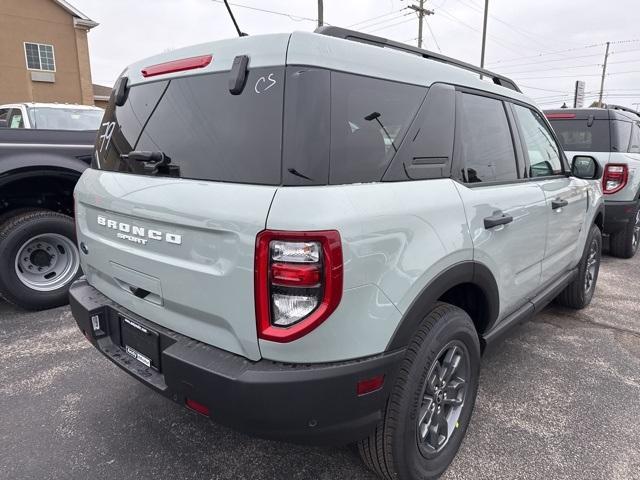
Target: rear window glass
{"x": 577, "y": 136}
{"x": 206, "y": 132}
{"x": 369, "y": 118}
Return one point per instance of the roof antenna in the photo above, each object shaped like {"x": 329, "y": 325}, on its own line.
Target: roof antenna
{"x": 240, "y": 33}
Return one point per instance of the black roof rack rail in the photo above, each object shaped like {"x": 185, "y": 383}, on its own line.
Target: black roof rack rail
{"x": 624, "y": 109}
{"x": 346, "y": 34}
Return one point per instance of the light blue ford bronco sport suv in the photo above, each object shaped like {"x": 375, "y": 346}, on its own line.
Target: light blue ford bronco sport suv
{"x": 315, "y": 236}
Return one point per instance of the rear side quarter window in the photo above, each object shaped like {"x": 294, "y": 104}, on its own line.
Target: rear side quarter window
{"x": 369, "y": 118}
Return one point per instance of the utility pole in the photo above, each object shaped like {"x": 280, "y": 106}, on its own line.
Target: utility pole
{"x": 320, "y": 13}
{"x": 484, "y": 32}
{"x": 422, "y": 12}
{"x": 604, "y": 72}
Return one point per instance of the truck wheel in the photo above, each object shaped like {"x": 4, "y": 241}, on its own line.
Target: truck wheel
{"x": 431, "y": 402}
{"x": 38, "y": 259}
{"x": 578, "y": 294}
{"x": 624, "y": 244}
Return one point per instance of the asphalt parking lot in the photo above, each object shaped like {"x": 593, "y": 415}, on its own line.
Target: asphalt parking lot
{"x": 559, "y": 399}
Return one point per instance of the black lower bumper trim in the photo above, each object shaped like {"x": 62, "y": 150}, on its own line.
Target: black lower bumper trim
{"x": 618, "y": 215}
{"x": 315, "y": 404}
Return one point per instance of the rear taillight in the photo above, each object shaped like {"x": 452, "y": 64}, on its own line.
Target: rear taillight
{"x": 298, "y": 281}
{"x": 615, "y": 177}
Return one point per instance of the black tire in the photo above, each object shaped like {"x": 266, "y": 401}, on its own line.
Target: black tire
{"x": 624, "y": 244}
{"x": 578, "y": 294}
{"x": 395, "y": 449}
{"x": 15, "y": 232}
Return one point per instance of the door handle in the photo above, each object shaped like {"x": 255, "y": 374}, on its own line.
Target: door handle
{"x": 498, "y": 219}
{"x": 558, "y": 203}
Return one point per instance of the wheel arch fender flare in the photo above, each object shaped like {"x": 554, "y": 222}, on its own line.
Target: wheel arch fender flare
{"x": 467, "y": 272}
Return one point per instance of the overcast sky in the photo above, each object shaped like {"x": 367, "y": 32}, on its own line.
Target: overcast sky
{"x": 545, "y": 45}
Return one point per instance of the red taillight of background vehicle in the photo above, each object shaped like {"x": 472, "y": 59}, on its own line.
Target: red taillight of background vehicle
{"x": 615, "y": 177}
{"x": 298, "y": 282}
{"x": 560, "y": 116}
{"x": 177, "y": 65}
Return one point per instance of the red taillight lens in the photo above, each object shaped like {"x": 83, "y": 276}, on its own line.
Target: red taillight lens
{"x": 289, "y": 275}
{"x": 298, "y": 281}
{"x": 615, "y": 177}
{"x": 177, "y": 65}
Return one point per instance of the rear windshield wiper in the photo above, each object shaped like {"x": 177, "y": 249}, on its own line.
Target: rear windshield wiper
{"x": 157, "y": 161}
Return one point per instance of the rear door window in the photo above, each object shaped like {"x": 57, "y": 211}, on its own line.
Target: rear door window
{"x": 205, "y": 131}
{"x": 582, "y": 135}
{"x": 483, "y": 140}
{"x": 369, "y": 118}
{"x": 542, "y": 150}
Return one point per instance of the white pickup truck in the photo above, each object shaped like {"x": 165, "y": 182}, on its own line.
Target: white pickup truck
{"x": 50, "y": 116}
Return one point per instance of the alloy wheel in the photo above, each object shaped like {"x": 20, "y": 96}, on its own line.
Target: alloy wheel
{"x": 636, "y": 232}
{"x": 443, "y": 397}
{"x": 592, "y": 266}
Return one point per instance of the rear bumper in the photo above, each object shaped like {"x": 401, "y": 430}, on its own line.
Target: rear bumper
{"x": 617, "y": 215}
{"x": 314, "y": 404}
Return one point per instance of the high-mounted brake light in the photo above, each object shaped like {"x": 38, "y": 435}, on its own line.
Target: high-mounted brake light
{"x": 298, "y": 281}
{"x": 615, "y": 177}
{"x": 177, "y": 65}
{"x": 558, "y": 116}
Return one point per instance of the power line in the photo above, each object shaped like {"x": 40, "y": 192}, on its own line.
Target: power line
{"x": 522, "y": 31}
{"x": 295, "y": 18}
{"x": 392, "y": 25}
{"x": 557, "y": 52}
{"x": 433, "y": 35}
{"x": 382, "y": 22}
{"x": 570, "y": 67}
{"x": 451, "y": 18}
{"x": 582, "y": 75}
{"x": 508, "y": 67}
{"x": 372, "y": 18}
{"x": 543, "y": 89}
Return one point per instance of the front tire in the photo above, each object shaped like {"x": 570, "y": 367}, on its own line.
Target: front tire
{"x": 578, "y": 294}
{"x": 432, "y": 400}
{"x": 38, "y": 259}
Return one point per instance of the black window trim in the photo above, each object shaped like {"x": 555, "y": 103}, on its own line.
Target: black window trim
{"x": 457, "y": 164}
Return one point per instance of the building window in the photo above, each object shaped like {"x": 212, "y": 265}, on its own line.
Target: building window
{"x": 40, "y": 57}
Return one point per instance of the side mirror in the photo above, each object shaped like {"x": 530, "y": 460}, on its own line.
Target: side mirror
{"x": 585, "y": 167}
{"x": 3, "y": 124}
